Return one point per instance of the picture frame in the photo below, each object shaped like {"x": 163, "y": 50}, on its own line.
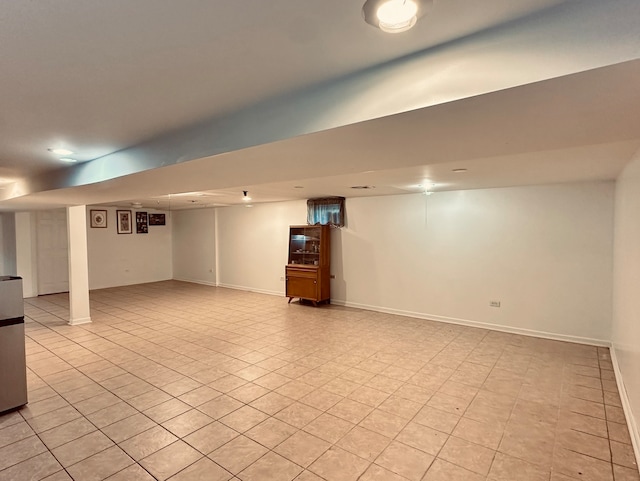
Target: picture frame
{"x": 157, "y": 219}
{"x": 125, "y": 225}
{"x": 98, "y": 219}
{"x": 142, "y": 223}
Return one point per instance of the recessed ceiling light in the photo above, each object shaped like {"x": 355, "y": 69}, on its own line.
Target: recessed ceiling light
{"x": 67, "y": 159}
{"x": 459, "y": 171}
{"x": 298, "y": 187}
{"x": 397, "y": 16}
{"x": 362, "y": 187}
{"x": 61, "y": 151}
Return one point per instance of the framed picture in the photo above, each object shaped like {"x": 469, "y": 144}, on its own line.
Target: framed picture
{"x": 157, "y": 219}
{"x": 98, "y": 219}
{"x": 124, "y": 222}
{"x": 142, "y": 226}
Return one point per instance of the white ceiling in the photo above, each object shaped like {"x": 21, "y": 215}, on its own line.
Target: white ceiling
{"x": 98, "y": 77}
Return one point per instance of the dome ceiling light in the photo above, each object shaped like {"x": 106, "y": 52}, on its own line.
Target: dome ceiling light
{"x": 394, "y": 16}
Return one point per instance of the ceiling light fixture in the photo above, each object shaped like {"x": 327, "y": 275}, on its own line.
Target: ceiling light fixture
{"x": 246, "y": 197}
{"x": 459, "y": 171}
{"x": 394, "y": 16}
{"x": 67, "y": 159}
{"x": 61, "y": 151}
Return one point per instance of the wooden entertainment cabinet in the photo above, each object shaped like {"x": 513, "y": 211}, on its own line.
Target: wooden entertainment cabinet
{"x": 307, "y": 273}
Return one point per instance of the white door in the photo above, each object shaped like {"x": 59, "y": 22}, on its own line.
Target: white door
{"x": 53, "y": 252}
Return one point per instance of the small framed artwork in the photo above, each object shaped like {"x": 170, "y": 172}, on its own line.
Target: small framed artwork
{"x": 142, "y": 226}
{"x": 157, "y": 219}
{"x": 98, "y": 219}
{"x": 124, "y": 222}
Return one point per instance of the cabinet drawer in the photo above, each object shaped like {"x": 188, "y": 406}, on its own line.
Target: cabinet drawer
{"x": 298, "y": 272}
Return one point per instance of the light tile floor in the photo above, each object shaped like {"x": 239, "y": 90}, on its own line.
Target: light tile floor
{"x": 186, "y": 382}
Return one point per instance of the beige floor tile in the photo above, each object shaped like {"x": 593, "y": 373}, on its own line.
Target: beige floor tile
{"x": 405, "y": 461}
{"x": 625, "y": 474}
{"x": 148, "y": 442}
{"x": 135, "y": 472}
{"x": 623, "y": 455}
{"x": 20, "y": 450}
{"x": 436, "y": 419}
{"x": 187, "y": 423}
{"x": 298, "y": 414}
{"x": 515, "y": 392}
{"x": 238, "y": 454}
{"x": 248, "y": 393}
{"x": 302, "y": 448}
{"x": 35, "y": 468}
{"x": 530, "y": 442}
{"x": 485, "y": 434}
{"x": 584, "y": 443}
{"x": 470, "y": 456}
{"x": 203, "y": 470}
{"x": 199, "y": 396}
{"x": 59, "y": 476}
{"x": 53, "y": 419}
{"x": 618, "y": 432}
{"x": 128, "y": 427}
{"x": 423, "y": 438}
{"x": 271, "y": 467}
{"x": 211, "y": 437}
{"x": 507, "y": 468}
{"x": 243, "y": 419}
{"x": 581, "y": 466}
{"x": 321, "y": 399}
{"x": 111, "y": 414}
{"x": 15, "y": 432}
{"x": 339, "y": 465}
{"x": 270, "y": 432}
{"x": 329, "y": 427}
{"x": 170, "y": 460}
{"x": 364, "y": 443}
{"x": 101, "y": 465}
{"x": 378, "y": 473}
{"x": 272, "y": 403}
{"x": 350, "y": 410}
{"x": 443, "y": 471}
{"x": 220, "y": 406}
{"x": 81, "y": 448}
{"x": 149, "y": 399}
{"x": 384, "y": 423}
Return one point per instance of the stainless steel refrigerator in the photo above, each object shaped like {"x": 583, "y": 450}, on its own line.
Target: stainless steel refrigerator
{"x": 13, "y": 370}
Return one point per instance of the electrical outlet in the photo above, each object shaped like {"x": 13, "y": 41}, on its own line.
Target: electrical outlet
{"x": 494, "y": 303}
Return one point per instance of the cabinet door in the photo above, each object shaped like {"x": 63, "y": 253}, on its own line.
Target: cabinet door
{"x": 304, "y": 287}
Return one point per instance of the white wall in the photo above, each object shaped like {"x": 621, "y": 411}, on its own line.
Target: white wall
{"x": 124, "y": 259}
{"x": 544, "y": 252}
{"x": 253, "y": 244}
{"x": 194, "y": 252}
{"x": 7, "y": 244}
{"x": 626, "y": 284}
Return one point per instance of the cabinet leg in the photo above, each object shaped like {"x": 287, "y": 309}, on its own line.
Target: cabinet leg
{"x": 290, "y": 300}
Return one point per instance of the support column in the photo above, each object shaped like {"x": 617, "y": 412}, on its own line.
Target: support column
{"x": 78, "y": 266}
{"x": 26, "y": 254}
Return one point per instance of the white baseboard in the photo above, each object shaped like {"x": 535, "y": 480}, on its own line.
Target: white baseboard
{"x": 196, "y": 281}
{"x": 79, "y": 321}
{"x": 626, "y": 404}
{"x": 251, "y": 289}
{"x": 478, "y": 324}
